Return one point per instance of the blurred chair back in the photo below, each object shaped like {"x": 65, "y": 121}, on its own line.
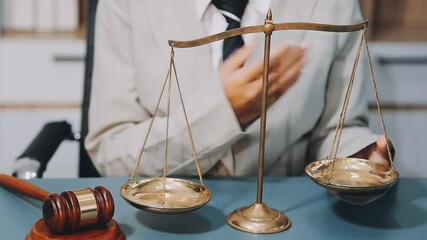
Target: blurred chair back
{"x": 33, "y": 161}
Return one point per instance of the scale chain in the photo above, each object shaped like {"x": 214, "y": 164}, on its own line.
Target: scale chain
{"x": 340, "y": 124}
{"x": 141, "y": 152}
{"x": 377, "y": 101}
{"x": 168, "y": 81}
{"x": 165, "y": 162}
{"x": 193, "y": 148}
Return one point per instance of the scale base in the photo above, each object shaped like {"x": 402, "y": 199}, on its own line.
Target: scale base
{"x": 111, "y": 231}
{"x": 258, "y": 218}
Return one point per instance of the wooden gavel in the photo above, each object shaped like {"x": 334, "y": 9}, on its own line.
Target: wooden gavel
{"x": 70, "y": 210}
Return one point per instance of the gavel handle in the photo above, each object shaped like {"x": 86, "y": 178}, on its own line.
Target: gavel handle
{"x": 23, "y": 187}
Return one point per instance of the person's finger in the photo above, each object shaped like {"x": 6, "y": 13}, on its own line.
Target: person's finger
{"x": 273, "y": 87}
{"x": 280, "y": 82}
{"x": 293, "y": 56}
{"x": 238, "y": 58}
{"x": 284, "y": 51}
{"x": 382, "y": 146}
{"x": 256, "y": 68}
{"x": 273, "y": 79}
{"x": 287, "y": 79}
{"x": 254, "y": 89}
{"x": 293, "y": 71}
{"x": 289, "y": 72}
{"x": 281, "y": 52}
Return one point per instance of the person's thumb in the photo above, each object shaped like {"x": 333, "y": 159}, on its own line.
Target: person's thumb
{"x": 238, "y": 58}
{"x": 382, "y": 146}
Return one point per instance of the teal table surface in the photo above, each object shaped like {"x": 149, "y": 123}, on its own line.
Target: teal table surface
{"x": 315, "y": 214}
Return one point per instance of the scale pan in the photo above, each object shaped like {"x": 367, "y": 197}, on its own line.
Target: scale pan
{"x": 179, "y": 195}
{"x": 354, "y": 180}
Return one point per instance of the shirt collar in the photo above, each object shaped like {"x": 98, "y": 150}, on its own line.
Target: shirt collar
{"x": 259, "y": 5}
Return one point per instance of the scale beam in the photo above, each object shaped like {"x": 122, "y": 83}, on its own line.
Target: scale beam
{"x": 261, "y": 28}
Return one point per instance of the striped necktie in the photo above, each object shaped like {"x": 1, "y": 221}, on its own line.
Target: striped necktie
{"x": 232, "y": 10}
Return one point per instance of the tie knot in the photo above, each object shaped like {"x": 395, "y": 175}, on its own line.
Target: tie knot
{"x": 234, "y": 7}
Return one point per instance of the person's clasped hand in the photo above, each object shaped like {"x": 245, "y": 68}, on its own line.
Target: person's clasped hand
{"x": 243, "y": 83}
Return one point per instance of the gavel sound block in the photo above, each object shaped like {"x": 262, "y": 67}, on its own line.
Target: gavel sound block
{"x": 84, "y": 213}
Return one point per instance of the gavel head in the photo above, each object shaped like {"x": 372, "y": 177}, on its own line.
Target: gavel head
{"x": 72, "y": 210}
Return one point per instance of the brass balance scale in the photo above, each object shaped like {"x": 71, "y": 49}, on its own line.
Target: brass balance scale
{"x": 352, "y": 179}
